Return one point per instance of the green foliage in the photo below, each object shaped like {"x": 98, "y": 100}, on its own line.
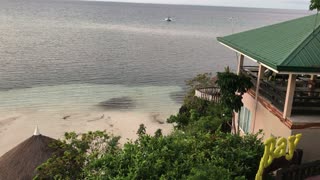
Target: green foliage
{"x": 158, "y": 133}
{"x": 198, "y": 148}
{"x": 198, "y": 113}
{"x": 202, "y": 116}
{"x": 74, "y": 152}
{"x": 194, "y": 108}
{"x": 185, "y": 117}
{"x": 181, "y": 156}
{"x": 209, "y": 172}
{"x": 142, "y": 130}
{"x": 232, "y": 87}
{"x": 314, "y": 4}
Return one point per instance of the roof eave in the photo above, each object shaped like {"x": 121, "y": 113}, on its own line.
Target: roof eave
{"x": 298, "y": 70}
{"x": 232, "y": 47}
{"x": 277, "y": 69}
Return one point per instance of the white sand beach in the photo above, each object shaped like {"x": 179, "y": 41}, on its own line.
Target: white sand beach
{"x": 18, "y": 125}
{"x": 83, "y": 107}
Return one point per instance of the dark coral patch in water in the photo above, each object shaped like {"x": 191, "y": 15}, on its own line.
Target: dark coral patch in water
{"x": 118, "y": 103}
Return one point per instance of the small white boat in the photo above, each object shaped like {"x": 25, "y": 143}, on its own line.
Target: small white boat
{"x": 168, "y": 19}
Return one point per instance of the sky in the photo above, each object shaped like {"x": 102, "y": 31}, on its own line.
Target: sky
{"x": 281, "y": 4}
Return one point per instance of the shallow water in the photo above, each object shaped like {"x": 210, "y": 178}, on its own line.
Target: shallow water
{"x": 90, "y": 96}
{"x": 63, "y": 58}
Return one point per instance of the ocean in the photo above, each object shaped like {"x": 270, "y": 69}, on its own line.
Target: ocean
{"x": 60, "y": 56}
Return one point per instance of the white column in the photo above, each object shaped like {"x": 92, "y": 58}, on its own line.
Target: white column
{"x": 240, "y": 63}
{"x": 260, "y": 76}
{"x": 289, "y": 96}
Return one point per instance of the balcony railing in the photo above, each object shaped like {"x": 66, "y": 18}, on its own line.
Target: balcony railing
{"x": 209, "y": 93}
{"x": 305, "y": 101}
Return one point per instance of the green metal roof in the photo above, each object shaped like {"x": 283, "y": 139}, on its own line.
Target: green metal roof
{"x": 291, "y": 46}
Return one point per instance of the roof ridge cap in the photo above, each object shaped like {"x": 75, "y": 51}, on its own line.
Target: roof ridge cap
{"x": 36, "y": 131}
{"x": 306, "y": 41}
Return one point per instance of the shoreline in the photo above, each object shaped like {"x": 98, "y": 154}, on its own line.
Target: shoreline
{"x": 16, "y": 126}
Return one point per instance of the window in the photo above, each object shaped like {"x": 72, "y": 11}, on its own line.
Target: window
{"x": 245, "y": 119}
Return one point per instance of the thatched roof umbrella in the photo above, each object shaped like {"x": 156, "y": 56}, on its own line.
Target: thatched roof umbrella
{"x": 21, "y": 161}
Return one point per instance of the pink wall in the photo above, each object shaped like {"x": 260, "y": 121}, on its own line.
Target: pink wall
{"x": 272, "y": 126}
{"x": 310, "y": 143}
{"x": 263, "y": 119}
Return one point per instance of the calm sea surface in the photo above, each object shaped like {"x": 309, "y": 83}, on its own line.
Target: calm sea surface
{"x": 63, "y": 54}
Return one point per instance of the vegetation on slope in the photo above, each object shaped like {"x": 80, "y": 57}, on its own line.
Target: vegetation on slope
{"x": 200, "y": 147}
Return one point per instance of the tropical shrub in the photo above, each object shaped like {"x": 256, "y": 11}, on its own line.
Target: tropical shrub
{"x": 74, "y": 153}
{"x": 181, "y": 156}
{"x": 314, "y": 4}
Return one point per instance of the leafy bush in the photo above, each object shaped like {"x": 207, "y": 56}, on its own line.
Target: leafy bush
{"x": 232, "y": 87}
{"x": 75, "y": 152}
{"x": 315, "y": 4}
{"x": 181, "y": 156}
{"x": 209, "y": 114}
{"x": 201, "y": 116}
{"x": 209, "y": 172}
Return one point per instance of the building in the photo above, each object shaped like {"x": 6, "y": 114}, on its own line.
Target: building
{"x": 284, "y": 67}
{"x": 20, "y": 163}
